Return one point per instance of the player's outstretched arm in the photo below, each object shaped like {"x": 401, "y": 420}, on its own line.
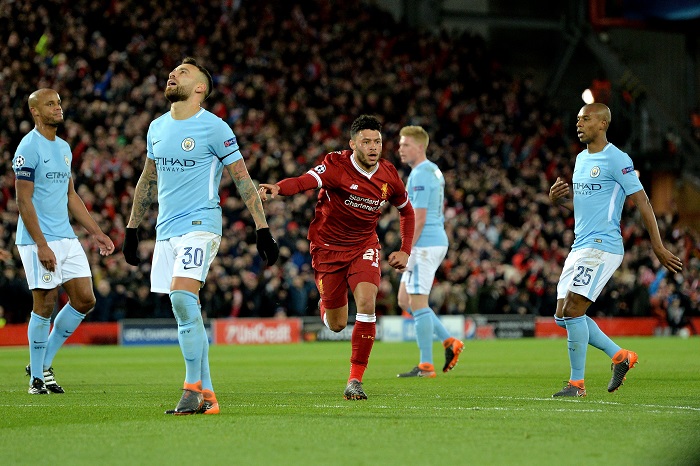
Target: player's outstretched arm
{"x": 77, "y": 208}
{"x": 559, "y": 194}
{"x": 265, "y": 189}
{"x": 666, "y": 257}
{"x": 289, "y": 186}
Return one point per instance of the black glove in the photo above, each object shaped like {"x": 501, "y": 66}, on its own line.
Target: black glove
{"x": 267, "y": 246}
{"x": 131, "y": 246}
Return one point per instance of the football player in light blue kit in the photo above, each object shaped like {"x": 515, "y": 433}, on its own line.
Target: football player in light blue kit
{"x": 603, "y": 178}
{"x": 51, "y": 253}
{"x": 187, "y": 150}
{"x": 426, "y": 190}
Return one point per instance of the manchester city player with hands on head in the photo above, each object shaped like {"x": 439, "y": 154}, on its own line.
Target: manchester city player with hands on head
{"x": 187, "y": 150}
{"x": 354, "y": 185}
{"x": 426, "y": 190}
{"x": 603, "y": 178}
{"x": 50, "y": 251}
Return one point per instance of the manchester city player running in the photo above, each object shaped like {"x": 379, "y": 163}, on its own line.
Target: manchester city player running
{"x": 603, "y": 178}
{"x": 187, "y": 149}
{"x": 50, "y": 251}
{"x": 426, "y": 190}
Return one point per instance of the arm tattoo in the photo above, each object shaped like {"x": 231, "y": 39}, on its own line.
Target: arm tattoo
{"x": 247, "y": 191}
{"x": 145, "y": 193}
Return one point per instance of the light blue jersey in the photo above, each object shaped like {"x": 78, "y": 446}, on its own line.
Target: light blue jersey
{"x": 190, "y": 156}
{"x": 46, "y": 164}
{"x": 601, "y": 183}
{"x": 426, "y": 190}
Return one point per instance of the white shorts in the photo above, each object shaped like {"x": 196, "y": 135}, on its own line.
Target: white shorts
{"x": 421, "y": 268}
{"x": 71, "y": 262}
{"x": 189, "y": 256}
{"x": 586, "y": 271}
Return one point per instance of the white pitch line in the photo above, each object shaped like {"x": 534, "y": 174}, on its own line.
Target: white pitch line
{"x": 602, "y": 402}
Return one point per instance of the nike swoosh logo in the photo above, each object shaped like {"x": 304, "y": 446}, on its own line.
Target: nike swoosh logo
{"x": 156, "y": 142}
{"x": 579, "y": 284}
{"x": 39, "y": 342}
{"x": 47, "y": 160}
{"x": 193, "y": 267}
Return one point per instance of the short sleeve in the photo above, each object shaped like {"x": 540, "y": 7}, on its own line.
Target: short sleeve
{"x": 224, "y": 143}
{"x": 24, "y": 162}
{"x": 623, "y": 172}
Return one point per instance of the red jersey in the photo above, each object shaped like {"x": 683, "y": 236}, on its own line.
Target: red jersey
{"x": 350, "y": 200}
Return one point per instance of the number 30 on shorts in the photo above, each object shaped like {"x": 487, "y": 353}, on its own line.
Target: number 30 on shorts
{"x": 195, "y": 257}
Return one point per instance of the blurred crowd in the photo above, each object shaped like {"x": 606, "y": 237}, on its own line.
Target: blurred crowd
{"x": 289, "y": 79}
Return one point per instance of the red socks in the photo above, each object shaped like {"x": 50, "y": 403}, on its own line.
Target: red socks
{"x": 362, "y": 341}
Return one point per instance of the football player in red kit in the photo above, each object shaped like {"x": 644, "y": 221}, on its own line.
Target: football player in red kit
{"x": 354, "y": 184}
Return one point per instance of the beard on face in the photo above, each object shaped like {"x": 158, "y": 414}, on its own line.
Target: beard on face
{"x": 175, "y": 94}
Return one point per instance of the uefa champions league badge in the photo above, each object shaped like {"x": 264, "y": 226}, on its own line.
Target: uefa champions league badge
{"x": 19, "y": 161}
{"x": 595, "y": 171}
{"x": 187, "y": 144}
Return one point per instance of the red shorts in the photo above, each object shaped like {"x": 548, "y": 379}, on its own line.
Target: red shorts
{"x": 336, "y": 270}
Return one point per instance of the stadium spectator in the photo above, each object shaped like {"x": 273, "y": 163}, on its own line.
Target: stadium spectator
{"x": 426, "y": 191}
{"x": 187, "y": 150}
{"x": 604, "y": 177}
{"x": 354, "y": 185}
{"x": 51, "y": 253}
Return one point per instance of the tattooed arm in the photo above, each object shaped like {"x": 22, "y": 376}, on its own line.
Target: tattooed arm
{"x": 145, "y": 193}
{"x": 248, "y": 193}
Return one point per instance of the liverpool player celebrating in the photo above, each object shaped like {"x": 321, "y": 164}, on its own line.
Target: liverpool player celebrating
{"x": 344, "y": 244}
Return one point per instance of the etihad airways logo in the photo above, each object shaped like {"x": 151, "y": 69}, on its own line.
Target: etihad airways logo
{"x": 167, "y": 164}
{"x": 586, "y": 189}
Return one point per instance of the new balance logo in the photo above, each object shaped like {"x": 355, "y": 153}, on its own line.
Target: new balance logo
{"x": 353, "y": 186}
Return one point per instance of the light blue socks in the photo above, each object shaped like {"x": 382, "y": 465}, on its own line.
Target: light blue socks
{"x": 64, "y": 325}
{"x": 190, "y": 332}
{"x": 424, "y": 333}
{"x": 577, "y": 341}
{"x": 38, "y": 336}
{"x": 596, "y": 337}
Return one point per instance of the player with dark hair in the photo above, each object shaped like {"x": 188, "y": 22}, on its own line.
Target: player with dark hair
{"x": 50, "y": 251}
{"x": 187, "y": 150}
{"x": 604, "y": 177}
{"x": 354, "y": 185}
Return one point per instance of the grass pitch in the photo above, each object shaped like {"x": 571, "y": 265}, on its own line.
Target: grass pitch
{"x": 282, "y": 404}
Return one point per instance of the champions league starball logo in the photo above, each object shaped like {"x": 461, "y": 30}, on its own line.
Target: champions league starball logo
{"x": 187, "y": 144}
{"x": 19, "y": 161}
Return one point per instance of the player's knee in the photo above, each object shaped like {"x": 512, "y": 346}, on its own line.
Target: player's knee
{"x": 337, "y": 326}
{"x": 84, "y": 305}
{"x": 403, "y": 301}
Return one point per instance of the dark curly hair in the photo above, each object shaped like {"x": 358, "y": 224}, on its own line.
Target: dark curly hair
{"x": 364, "y": 122}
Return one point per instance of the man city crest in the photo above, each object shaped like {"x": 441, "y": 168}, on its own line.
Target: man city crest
{"x": 187, "y": 144}
{"x": 595, "y": 171}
